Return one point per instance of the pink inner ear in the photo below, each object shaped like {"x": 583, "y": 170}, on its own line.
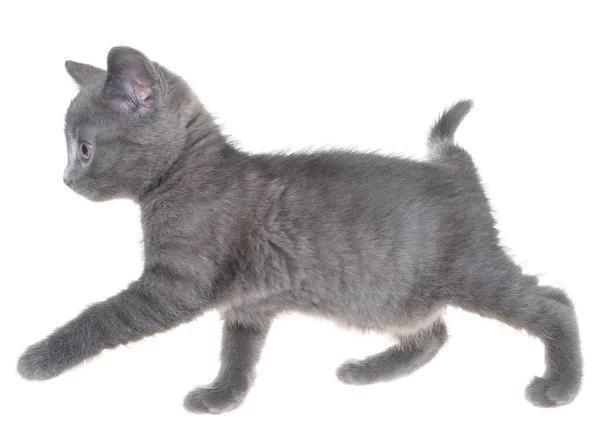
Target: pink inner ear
{"x": 143, "y": 93}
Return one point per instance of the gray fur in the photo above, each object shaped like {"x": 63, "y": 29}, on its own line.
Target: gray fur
{"x": 372, "y": 242}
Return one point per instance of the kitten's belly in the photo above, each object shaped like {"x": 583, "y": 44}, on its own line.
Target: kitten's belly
{"x": 370, "y": 309}
{"x": 365, "y": 309}
{"x": 380, "y": 296}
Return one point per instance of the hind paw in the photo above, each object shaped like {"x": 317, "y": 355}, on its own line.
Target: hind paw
{"x": 544, "y": 392}
{"x": 354, "y": 372}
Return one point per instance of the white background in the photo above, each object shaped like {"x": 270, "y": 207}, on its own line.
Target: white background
{"x": 279, "y": 76}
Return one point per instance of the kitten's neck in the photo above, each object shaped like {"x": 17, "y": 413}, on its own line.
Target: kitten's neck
{"x": 203, "y": 148}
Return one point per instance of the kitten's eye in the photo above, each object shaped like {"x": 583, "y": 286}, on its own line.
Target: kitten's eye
{"x": 85, "y": 151}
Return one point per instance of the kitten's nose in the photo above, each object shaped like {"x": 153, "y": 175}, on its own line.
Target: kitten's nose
{"x": 67, "y": 176}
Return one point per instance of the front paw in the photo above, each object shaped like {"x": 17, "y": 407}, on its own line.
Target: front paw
{"x": 41, "y": 361}
{"x": 214, "y": 399}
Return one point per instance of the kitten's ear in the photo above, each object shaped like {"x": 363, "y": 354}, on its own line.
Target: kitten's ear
{"x": 84, "y": 74}
{"x": 130, "y": 80}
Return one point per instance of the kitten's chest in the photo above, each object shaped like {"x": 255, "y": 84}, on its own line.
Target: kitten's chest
{"x": 181, "y": 231}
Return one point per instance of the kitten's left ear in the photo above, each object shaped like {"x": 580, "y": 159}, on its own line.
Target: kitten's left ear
{"x": 84, "y": 74}
{"x": 131, "y": 80}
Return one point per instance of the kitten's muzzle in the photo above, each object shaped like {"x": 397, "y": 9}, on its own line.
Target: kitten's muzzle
{"x": 68, "y": 176}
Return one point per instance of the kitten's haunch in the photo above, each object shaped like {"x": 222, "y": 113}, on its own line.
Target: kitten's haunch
{"x": 373, "y": 242}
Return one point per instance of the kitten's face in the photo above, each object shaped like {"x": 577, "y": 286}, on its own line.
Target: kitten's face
{"x": 123, "y": 129}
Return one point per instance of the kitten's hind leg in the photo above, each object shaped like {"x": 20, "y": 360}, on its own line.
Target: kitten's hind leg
{"x": 544, "y": 312}
{"x": 408, "y": 355}
{"x": 241, "y": 346}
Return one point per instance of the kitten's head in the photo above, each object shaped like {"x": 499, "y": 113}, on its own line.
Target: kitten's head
{"x": 126, "y": 126}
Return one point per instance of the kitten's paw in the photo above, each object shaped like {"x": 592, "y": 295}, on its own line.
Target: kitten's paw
{"x": 354, "y": 372}
{"x": 214, "y": 399}
{"x": 38, "y": 362}
{"x": 544, "y": 392}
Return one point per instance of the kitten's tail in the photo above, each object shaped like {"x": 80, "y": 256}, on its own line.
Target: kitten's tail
{"x": 441, "y": 136}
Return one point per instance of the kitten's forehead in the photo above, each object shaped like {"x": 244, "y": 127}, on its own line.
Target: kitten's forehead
{"x": 88, "y": 110}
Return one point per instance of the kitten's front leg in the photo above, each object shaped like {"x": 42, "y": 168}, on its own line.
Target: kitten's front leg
{"x": 154, "y": 303}
{"x": 241, "y": 347}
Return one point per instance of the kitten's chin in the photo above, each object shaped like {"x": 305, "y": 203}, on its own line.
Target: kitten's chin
{"x": 94, "y": 195}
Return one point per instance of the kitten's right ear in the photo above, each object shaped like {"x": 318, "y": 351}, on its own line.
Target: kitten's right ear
{"x": 84, "y": 74}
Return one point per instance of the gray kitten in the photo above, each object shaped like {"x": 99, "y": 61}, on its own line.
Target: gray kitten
{"x": 373, "y": 242}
